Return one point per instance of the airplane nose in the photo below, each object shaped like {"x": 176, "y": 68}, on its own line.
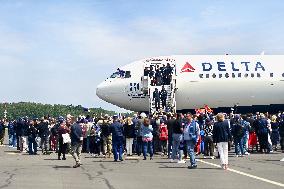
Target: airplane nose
{"x": 101, "y": 91}
{"x": 112, "y": 91}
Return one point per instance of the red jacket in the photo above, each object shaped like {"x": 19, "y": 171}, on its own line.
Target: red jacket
{"x": 163, "y": 132}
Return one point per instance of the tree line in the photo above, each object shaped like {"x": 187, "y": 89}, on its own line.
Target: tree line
{"x": 38, "y": 110}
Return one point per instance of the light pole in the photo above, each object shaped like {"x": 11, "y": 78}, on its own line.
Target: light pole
{"x": 5, "y": 112}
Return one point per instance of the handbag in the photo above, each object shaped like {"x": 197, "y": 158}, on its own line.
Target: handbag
{"x": 66, "y": 138}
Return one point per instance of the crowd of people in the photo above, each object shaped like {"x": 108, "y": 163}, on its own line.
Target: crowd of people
{"x": 159, "y": 75}
{"x": 160, "y": 96}
{"x": 175, "y": 136}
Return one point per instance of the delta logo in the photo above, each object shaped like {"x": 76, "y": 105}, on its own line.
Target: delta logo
{"x": 187, "y": 68}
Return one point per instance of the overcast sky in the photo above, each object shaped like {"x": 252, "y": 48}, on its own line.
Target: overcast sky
{"x": 58, "y": 51}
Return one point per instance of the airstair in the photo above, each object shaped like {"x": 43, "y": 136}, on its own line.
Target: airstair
{"x": 148, "y": 88}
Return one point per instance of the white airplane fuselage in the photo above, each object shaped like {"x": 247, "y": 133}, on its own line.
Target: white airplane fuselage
{"x": 218, "y": 81}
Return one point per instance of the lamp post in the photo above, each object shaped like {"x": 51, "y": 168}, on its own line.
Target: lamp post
{"x": 5, "y": 112}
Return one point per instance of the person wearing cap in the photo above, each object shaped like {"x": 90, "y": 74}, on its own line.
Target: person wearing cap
{"x": 116, "y": 129}
{"x": 76, "y": 141}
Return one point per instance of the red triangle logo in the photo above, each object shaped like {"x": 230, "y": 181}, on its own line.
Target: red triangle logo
{"x": 187, "y": 68}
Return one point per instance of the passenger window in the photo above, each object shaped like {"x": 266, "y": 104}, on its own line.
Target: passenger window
{"x": 127, "y": 74}
{"x": 227, "y": 75}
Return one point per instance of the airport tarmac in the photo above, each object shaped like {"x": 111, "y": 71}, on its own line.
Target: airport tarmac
{"x": 45, "y": 171}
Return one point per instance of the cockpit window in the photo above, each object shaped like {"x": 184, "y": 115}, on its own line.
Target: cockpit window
{"x": 127, "y": 74}
{"x": 121, "y": 74}
{"x": 114, "y": 75}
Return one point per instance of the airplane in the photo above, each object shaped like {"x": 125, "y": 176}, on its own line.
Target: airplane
{"x": 250, "y": 82}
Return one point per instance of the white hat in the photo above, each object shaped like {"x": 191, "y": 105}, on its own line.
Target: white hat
{"x": 143, "y": 115}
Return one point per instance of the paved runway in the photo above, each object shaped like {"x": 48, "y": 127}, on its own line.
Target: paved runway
{"x": 45, "y": 171}
{"x": 22, "y": 171}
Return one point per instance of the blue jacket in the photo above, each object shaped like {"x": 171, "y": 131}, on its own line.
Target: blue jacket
{"x": 146, "y": 132}
{"x": 11, "y": 129}
{"x": 221, "y": 132}
{"x": 116, "y": 129}
{"x": 191, "y": 131}
{"x": 76, "y": 134}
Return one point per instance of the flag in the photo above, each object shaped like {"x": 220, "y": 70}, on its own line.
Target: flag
{"x": 208, "y": 109}
{"x": 199, "y": 111}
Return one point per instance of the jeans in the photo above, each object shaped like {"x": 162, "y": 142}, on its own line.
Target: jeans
{"x": 282, "y": 143}
{"x": 239, "y": 146}
{"x": 88, "y": 144}
{"x": 263, "y": 141}
{"x": 32, "y": 145}
{"x": 44, "y": 143}
{"x": 12, "y": 140}
{"x": 223, "y": 152}
{"x": 147, "y": 145}
{"x": 76, "y": 150}
{"x": 209, "y": 146}
{"x": 117, "y": 146}
{"x": 177, "y": 138}
{"x": 139, "y": 145}
{"x": 190, "y": 149}
{"x": 170, "y": 142}
{"x": 245, "y": 142}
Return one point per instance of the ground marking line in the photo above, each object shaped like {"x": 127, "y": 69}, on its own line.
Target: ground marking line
{"x": 245, "y": 174}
